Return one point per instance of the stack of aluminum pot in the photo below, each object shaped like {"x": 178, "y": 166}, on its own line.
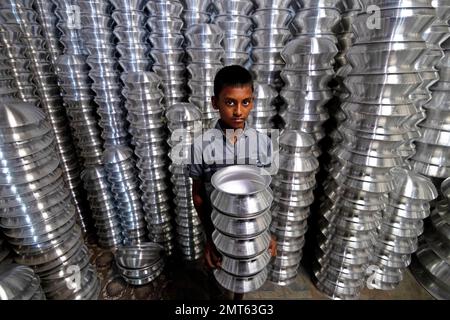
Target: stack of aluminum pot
{"x": 103, "y": 208}
{"x": 80, "y": 106}
{"x": 264, "y": 107}
{"x": 167, "y": 48}
{"x": 140, "y": 264}
{"x": 432, "y": 147}
{"x": 292, "y": 189}
{"x": 81, "y": 109}
{"x": 205, "y": 55}
{"x": 430, "y": 265}
{"x": 14, "y": 50}
{"x": 241, "y": 202}
{"x": 4, "y": 250}
{"x": 317, "y": 18}
{"x": 122, "y": 176}
{"x": 400, "y": 228}
{"x": 345, "y": 37}
{"x": 18, "y": 18}
{"x": 73, "y": 73}
{"x": 308, "y": 69}
{"x": 233, "y": 18}
{"x": 98, "y": 40}
{"x": 147, "y": 128}
{"x": 8, "y": 90}
{"x": 195, "y": 12}
{"x": 379, "y": 116}
{"x": 184, "y": 122}
{"x": 132, "y": 45}
{"x": 37, "y": 216}
{"x": 47, "y": 19}
{"x": 271, "y": 19}
{"x": 19, "y": 283}
{"x": 69, "y": 27}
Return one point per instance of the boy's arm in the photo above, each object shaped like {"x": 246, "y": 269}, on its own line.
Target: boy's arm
{"x": 212, "y": 256}
{"x": 198, "y": 196}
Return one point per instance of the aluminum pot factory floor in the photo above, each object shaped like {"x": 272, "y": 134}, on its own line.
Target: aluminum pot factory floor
{"x": 188, "y": 281}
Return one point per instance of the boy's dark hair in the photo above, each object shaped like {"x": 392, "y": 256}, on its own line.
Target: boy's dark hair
{"x": 232, "y": 76}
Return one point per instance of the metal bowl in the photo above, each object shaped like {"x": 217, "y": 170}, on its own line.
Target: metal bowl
{"x": 269, "y": 18}
{"x": 240, "y": 284}
{"x": 241, "y": 227}
{"x": 139, "y": 256}
{"x": 316, "y": 20}
{"x": 241, "y": 247}
{"x": 165, "y": 9}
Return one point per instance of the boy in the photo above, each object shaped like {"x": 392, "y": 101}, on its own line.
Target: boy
{"x": 230, "y": 142}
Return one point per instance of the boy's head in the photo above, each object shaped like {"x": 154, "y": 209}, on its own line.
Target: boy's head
{"x": 233, "y": 95}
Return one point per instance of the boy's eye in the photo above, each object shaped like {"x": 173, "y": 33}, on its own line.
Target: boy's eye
{"x": 246, "y": 102}
{"x": 230, "y": 102}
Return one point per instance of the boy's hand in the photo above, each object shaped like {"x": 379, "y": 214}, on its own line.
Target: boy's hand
{"x": 273, "y": 246}
{"x": 212, "y": 256}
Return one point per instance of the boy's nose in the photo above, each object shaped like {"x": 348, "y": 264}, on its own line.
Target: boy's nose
{"x": 238, "y": 111}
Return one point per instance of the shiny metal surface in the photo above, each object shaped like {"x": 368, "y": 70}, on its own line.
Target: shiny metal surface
{"x": 240, "y": 284}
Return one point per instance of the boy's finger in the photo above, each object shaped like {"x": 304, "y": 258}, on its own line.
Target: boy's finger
{"x": 215, "y": 260}
{"x": 209, "y": 261}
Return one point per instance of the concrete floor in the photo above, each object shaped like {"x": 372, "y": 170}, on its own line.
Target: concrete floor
{"x": 303, "y": 288}
{"x": 189, "y": 281}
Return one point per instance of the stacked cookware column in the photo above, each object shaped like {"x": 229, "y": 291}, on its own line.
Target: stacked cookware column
{"x": 132, "y": 43}
{"x": 167, "y": 48}
{"x": 434, "y": 36}
{"x": 81, "y": 108}
{"x": 122, "y": 176}
{"x": 379, "y": 113}
{"x": 264, "y": 108}
{"x": 73, "y": 73}
{"x": 195, "y": 12}
{"x": 271, "y": 20}
{"x": 15, "y": 50}
{"x": 345, "y": 36}
{"x": 398, "y": 232}
{"x": 205, "y": 55}
{"x": 8, "y": 90}
{"x": 430, "y": 264}
{"x": 314, "y": 25}
{"x": 47, "y": 19}
{"x": 38, "y": 218}
{"x": 185, "y": 123}
{"x": 241, "y": 202}
{"x": 232, "y": 14}
{"x": 345, "y": 39}
{"x": 433, "y": 144}
{"x": 308, "y": 69}
{"x": 69, "y": 32}
{"x": 148, "y": 131}
{"x": 292, "y": 189}
{"x": 103, "y": 208}
{"x": 400, "y": 228}
{"x": 98, "y": 40}
{"x": 19, "y": 283}
{"x": 24, "y": 20}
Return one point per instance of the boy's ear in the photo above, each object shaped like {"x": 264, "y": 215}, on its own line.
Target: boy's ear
{"x": 214, "y": 103}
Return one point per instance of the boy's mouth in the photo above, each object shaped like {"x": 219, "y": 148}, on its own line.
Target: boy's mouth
{"x": 238, "y": 120}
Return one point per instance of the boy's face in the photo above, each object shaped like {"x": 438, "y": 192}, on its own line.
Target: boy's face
{"x": 234, "y": 105}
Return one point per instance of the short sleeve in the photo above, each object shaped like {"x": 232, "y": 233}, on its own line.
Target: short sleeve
{"x": 195, "y": 166}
